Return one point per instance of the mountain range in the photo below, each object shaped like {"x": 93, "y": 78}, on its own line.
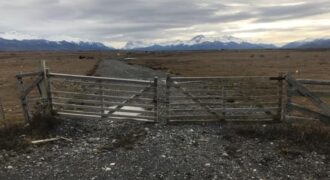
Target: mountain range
{"x": 199, "y": 42}
{"x": 321, "y": 43}
{"x": 45, "y": 45}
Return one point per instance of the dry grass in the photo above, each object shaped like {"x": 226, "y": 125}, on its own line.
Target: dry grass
{"x": 13, "y": 135}
{"x": 12, "y": 63}
{"x": 309, "y": 64}
{"x": 304, "y": 64}
{"x": 18, "y": 137}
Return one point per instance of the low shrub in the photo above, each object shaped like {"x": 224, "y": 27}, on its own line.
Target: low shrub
{"x": 18, "y": 136}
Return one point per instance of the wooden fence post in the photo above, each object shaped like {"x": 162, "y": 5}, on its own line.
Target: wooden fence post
{"x": 289, "y": 94}
{"x": 24, "y": 104}
{"x": 280, "y": 112}
{"x": 2, "y": 111}
{"x": 49, "y": 91}
{"x": 156, "y": 99}
{"x": 167, "y": 97}
{"x": 45, "y": 90}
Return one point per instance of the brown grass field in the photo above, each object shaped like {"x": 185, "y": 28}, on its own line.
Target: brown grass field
{"x": 306, "y": 64}
{"x": 313, "y": 64}
{"x": 12, "y": 63}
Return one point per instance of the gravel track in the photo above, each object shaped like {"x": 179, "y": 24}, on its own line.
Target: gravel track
{"x": 104, "y": 149}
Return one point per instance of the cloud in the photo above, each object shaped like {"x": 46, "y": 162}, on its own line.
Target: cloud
{"x": 291, "y": 11}
{"x": 119, "y": 21}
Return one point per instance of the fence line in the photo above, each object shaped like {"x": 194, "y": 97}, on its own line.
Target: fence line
{"x": 187, "y": 99}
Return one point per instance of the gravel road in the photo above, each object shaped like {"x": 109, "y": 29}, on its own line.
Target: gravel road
{"x": 120, "y": 69}
{"x": 103, "y": 149}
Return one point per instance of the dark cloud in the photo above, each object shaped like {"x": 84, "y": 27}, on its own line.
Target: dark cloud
{"x": 275, "y": 13}
{"x": 123, "y": 20}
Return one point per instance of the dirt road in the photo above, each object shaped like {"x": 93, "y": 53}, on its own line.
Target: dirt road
{"x": 132, "y": 150}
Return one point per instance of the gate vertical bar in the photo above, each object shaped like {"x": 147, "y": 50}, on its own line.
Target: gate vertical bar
{"x": 156, "y": 99}
{"x": 223, "y": 100}
{"x": 101, "y": 98}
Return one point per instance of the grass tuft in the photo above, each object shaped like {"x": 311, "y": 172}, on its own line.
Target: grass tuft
{"x": 17, "y": 136}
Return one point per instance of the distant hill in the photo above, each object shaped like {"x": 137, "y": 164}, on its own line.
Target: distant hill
{"x": 309, "y": 44}
{"x": 44, "y": 45}
{"x": 199, "y": 42}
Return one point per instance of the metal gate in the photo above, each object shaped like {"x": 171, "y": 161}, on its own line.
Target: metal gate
{"x": 234, "y": 99}
{"x": 186, "y": 99}
{"x": 101, "y": 97}
{"x": 87, "y": 96}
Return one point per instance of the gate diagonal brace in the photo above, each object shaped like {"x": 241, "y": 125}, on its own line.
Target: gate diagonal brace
{"x": 267, "y": 112}
{"x": 126, "y": 101}
{"x": 196, "y": 100}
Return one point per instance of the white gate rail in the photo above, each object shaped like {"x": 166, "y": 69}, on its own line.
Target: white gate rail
{"x": 186, "y": 99}
{"x": 102, "y": 97}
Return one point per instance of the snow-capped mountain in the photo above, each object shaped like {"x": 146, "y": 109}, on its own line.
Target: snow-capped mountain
{"x": 309, "y": 44}
{"x": 199, "y": 42}
{"x": 45, "y": 45}
{"x": 18, "y": 41}
{"x": 136, "y": 44}
{"x": 201, "y": 39}
{"x": 15, "y": 35}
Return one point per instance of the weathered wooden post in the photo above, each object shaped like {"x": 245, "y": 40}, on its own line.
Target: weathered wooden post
{"x": 289, "y": 93}
{"x": 45, "y": 90}
{"x": 2, "y": 111}
{"x": 167, "y": 98}
{"x": 22, "y": 97}
{"x": 280, "y": 112}
{"x": 156, "y": 99}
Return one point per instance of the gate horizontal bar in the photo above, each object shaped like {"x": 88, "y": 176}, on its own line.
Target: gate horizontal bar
{"x": 94, "y": 78}
{"x": 314, "y": 81}
{"x": 215, "y": 103}
{"x": 225, "y": 109}
{"x": 101, "y": 96}
{"x": 39, "y": 73}
{"x": 223, "y": 97}
{"x": 99, "y": 116}
{"x": 226, "y": 77}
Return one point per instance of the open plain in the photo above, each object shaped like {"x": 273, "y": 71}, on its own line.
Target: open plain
{"x": 104, "y": 149}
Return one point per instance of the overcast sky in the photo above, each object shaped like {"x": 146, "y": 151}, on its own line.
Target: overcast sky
{"x": 114, "y": 22}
